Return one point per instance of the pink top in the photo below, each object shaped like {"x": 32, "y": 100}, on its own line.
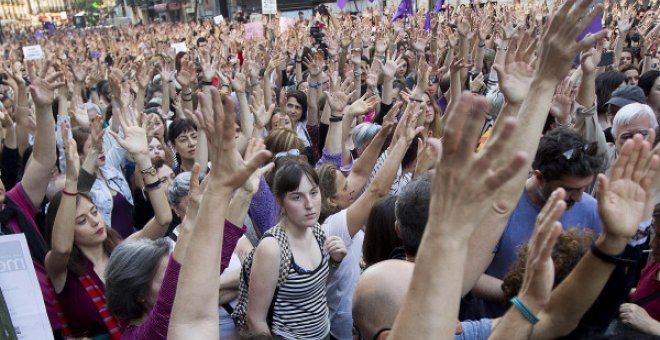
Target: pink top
{"x": 648, "y": 285}
{"x": 155, "y": 326}
{"x": 20, "y": 198}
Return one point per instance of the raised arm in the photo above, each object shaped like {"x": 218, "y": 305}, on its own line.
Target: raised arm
{"x": 364, "y": 165}
{"x": 358, "y": 213}
{"x": 195, "y": 311}
{"x": 557, "y": 50}
{"x": 463, "y": 186}
{"x": 239, "y": 84}
{"x": 539, "y": 271}
{"x": 38, "y": 171}
{"x": 337, "y": 99}
{"x": 135, "y": 142}
{"x": 64, "y": 226}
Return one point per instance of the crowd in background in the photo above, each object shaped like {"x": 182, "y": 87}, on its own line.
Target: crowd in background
{"x": 478, "y": 171}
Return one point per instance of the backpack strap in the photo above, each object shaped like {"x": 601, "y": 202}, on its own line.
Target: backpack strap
{"x": 285, "y": 253}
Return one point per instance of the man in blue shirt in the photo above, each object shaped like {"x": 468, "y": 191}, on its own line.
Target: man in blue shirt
{"x": 563, "y": 160}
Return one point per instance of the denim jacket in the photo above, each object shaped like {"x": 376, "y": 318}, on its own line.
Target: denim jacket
{"x": 112, "y": 171}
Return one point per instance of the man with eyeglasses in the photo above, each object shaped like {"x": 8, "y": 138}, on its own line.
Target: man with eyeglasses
{"x": 563, "y": 160}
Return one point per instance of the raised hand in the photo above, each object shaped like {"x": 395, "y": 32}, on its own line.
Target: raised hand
{"x": 165, "y": 71}
{"x": 558, "y": 46}
{"x": 135, "y": 137}
{"x": 393, "y": 63}
{"x": 374, "y": 74}
{"x": 71, "y": 154}
{"x": 627, "y": 189}
{"x": 477, "y": 83}
{"x": 624, "y": 22}
{"x": 465, "y": 182}
{"x": 407, "y": 128}
{"x": 538, "y": 279}
{"x": 229, "y": 171}
{"x": 187, "y": 73}
{"x": 516, "y": 74}
{"x": 562, "y": 102}
{"x": 239, "y": 82}
{"x": 43, "y": 89}
{"x": 338, "y": 95}
{"x": 589, "y": 59}
{"x": 79, "y": 72}
{"x": 143, "y": 74}
{"x": 365, "y": 104}
{"x": 261, "y": 113}
{"x": 254, "y": 147}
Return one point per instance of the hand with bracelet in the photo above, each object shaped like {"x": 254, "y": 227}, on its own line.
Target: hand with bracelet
{"x": 338, "y": 98}
{"x": 135, "y": 142}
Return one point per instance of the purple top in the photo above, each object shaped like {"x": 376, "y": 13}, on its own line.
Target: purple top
{"x": 263, "y": 208}
{"x": 155, "y": 326}
{"x": 229, "y": 240}
{"x": 20, "y": 198}
{"x": 122, "y": 216}
{"x": 442, "y": 102}
{"x": 330, "y": 158}
{"x": 79, "y": 310}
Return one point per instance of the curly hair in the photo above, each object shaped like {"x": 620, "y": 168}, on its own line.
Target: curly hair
{"x": 571, "y": 245}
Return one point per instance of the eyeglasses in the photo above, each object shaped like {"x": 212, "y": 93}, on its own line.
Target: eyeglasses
{"x": 292, "y": 152}
{"x": 628, "y": 135}
{"x": 574, "y": 153}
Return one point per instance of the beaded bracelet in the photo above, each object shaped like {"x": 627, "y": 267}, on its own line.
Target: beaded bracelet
{"x": 516, "y": 302}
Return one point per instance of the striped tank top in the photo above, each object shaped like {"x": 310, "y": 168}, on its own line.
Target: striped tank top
{"x": 299, "y": 307}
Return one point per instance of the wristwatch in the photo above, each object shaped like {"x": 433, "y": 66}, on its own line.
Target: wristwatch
{"x": 149, "y": 171}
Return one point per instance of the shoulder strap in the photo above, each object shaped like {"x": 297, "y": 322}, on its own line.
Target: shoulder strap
{"x": 319, "y": 234}
{"x": 648, "y": 298}
{"x": 285, "y": 253}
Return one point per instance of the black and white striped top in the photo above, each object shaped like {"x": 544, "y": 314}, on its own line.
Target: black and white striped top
{"x": 299, "y": 308}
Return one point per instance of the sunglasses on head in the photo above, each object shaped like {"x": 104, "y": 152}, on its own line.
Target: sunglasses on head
{"x": 574, "y": 153}
{"x": 292, "y": 152}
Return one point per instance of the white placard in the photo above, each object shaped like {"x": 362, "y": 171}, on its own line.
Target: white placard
{"x": 269, "y": 6}
{"x": 218, "y": 19}
{"x": 180, "y": 47}
{"x": 33, "y": 52}
{"x": 21, "y": 289}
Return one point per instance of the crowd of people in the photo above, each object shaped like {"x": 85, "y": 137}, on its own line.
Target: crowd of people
{"x": 481, "y": 171}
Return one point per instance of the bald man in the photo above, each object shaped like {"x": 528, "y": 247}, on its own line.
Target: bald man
{"x": 379, "y": 294}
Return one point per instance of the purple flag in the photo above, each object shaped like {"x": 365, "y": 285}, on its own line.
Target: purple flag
{"x": 438, "y": 6}
{"x": 594, "y": 27}
{"x": 475, "y": 7}
{"x": 405, "y": 8}
{"x": 342, "y": 3}
{"x": 427, "y": 22}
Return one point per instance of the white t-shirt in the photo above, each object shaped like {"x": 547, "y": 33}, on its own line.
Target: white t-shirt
{"x": 342, "y": 283}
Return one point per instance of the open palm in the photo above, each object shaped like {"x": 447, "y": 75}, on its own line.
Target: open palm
{"x": 624, "y": 195}
{"x": 622, "y": 198}
{"x": 515, "y": 80}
